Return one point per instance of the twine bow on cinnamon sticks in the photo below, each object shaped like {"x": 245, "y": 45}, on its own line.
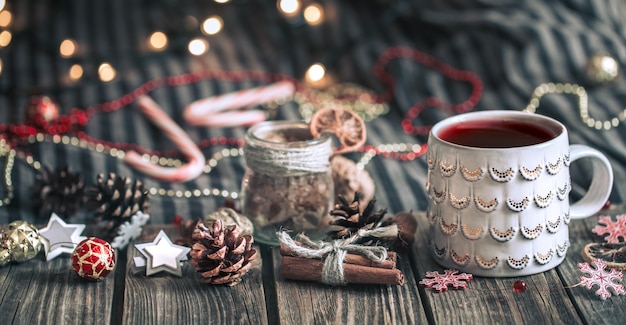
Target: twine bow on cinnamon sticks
{"x": 337, "y": 262}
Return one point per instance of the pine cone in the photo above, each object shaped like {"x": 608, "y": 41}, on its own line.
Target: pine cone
{"x": 60, "y": 192}
{"x": 348, "y": 217}
{"x": 116, "y": 199}
{"x": 220, "y": 254}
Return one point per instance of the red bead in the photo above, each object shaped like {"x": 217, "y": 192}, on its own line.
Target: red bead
{"x": 606, "y": 205}
{"x": 93, "y": 259}
{"x": 519, "y": 286}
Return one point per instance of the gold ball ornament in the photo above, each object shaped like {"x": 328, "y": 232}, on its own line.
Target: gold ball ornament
{"x": 5, "y": 256}
{"x": 22, "y": 241}
{"x": 602, "y": 69}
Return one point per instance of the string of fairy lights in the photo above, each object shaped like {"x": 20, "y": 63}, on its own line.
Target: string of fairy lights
{"x": 310, "y": 12}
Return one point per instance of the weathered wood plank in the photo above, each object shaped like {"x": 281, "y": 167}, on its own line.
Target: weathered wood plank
{"x": 314, "y": 303}
{"x": 168, "y": 299}
{"x": 37, "y": 292}
{"x": 493, "y": 300}
{"x": 592, "y": 308}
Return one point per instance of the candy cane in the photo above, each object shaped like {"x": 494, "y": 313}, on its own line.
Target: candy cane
{"x": 209, "y": 111}
{"x": 190, "y": 170}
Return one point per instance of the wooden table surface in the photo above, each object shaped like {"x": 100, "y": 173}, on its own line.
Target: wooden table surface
{"x": 36, "y": 292}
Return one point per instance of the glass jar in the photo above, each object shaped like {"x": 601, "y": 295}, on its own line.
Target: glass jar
{"x": 288, "y": 182}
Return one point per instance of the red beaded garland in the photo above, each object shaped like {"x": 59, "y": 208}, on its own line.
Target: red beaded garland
{"x": 430, "y": 62}
{"x": 519, "y": 286}
{"x": 93, "y": 259}
{"x": 52, "y": 123}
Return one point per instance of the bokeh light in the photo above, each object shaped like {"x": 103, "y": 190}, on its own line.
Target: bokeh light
{"x": 198, "y": 46}
{"x": 157, "y": 41}
{"x": 106, "y": 72}
{"x": 314, "y": 14}
{"x": 5, "y": 38}
{"x": 288, "y": 7}
{"x": 76, "y": 72}
{"x": 212, "y": 25}
{"x": 316, "y": 72}
{"x": 5, "y": 18}
{"x": 68, "y": 48}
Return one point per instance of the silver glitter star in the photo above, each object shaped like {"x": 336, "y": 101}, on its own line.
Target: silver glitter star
{"x": 161, "y": 255}
{"x": 60, "y": 237}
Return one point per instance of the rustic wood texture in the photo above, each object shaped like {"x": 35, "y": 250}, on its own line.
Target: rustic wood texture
{"x": 168, "y": 299}
{"x": 314, "y": 303}
{"x": 37, "y": 292}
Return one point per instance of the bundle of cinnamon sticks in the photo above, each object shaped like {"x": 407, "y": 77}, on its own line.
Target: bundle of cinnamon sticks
{"x": 356, "y": 269}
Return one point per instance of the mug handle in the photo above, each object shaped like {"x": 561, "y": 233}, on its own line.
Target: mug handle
{"x": 601, "y": 182}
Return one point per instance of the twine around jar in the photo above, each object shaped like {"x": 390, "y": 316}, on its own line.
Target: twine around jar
{"x": 287, "y": 158}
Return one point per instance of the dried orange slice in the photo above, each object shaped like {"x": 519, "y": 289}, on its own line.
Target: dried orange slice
{"x": 346, "y": 125}
{"x": 613, "y": 254}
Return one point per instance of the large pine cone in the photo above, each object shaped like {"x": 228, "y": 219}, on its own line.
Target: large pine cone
{"x": 220, "y": 254}
{"x": 60, "y": 192}
{"x": 115, "y": 200}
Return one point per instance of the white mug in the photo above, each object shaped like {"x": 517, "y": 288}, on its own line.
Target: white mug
{"x": 498, "y": 208}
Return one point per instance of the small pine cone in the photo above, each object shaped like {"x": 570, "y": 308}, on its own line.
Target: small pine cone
{"x": 58, "y": 191}
{"x": 116, "y": 199}
{"x": 220, "y": 254}
{"x": 348, "y": 217}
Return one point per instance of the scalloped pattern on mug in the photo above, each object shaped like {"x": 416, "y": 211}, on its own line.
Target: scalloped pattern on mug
{"x": 531, "y": 233}
{"x": 518, "y": 206}
{"x": 431, "y": 162}
{"x": 544, "y": 258}
{"x": 518, "y": 264}
{"x": 485, "y": 206}
{"x": 460, "y": 259}
{"x": 447, "y": 170}
{"x": 472, "y": 175}
{"x": 553, "y": 226}
{"x": 502, "y": 235}
{"x": 502, "y": 176}
{"x": 567, "y": 159}
{"x": 448, "y": 229}
{"x": 543, "y": 201}
{"x": 439, "y": 252}
{"x": 485, "y": 263}
{"x": 561, "y": 192}
{"x": 566, "y": 217}
{"x": 553, "y": 168}
{"x": 438, "y": 196}
{"x": 561, "y": 249}
{"x": 472, "y": 233}
{"x": 460, "y": 202}
{"x": 531, "y": 174}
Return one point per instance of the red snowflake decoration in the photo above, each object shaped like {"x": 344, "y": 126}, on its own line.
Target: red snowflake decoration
{"x": 614, "y": 229}
{"x": 599, "y": 276}
{"x": 440, "y": 282}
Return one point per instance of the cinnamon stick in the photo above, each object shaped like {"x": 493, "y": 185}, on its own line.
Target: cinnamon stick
{"x": 304, "y": 269}
{"x": 389, "y": 263}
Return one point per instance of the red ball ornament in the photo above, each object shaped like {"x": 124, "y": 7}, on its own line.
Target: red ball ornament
{"x": 41, "y": 110}
{"x": 519, "y": 286}
{"x": 93, "y": 259}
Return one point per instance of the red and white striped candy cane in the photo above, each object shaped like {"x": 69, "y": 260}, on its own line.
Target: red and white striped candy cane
{"x": 195, "y": 158}
{"x": 210, "y": 111}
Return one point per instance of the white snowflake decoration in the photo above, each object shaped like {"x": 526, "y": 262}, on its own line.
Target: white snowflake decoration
{"x": 603, "y": 279}
{"x": 440, "y": 282}
{"x": 130, "y": 230}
